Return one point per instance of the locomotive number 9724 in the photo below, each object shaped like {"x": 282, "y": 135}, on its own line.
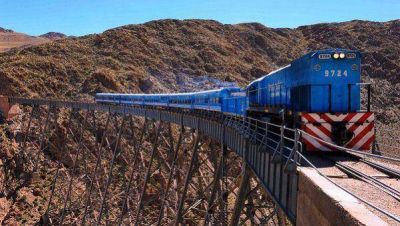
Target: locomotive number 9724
{"x": 337, "y": 73}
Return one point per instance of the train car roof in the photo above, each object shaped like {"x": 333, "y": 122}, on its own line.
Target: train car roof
{"x": 170, "y": 94}
{"x": 272, "y": 72}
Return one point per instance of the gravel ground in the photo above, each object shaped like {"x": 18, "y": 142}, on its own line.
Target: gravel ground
{"x": 372, "y": 195}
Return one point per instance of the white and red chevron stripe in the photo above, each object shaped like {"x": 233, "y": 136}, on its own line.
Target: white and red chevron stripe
{"x": 320, "y": 125}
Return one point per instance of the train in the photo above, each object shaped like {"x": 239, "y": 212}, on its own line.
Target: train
{"x": 319, "y": 93}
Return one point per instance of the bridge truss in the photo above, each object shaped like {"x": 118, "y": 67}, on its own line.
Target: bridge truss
{"x": 123, "y": 165}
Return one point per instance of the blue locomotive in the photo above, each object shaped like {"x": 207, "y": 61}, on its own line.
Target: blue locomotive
{"x": 318, "y": 92}
{"x": 320, "y": 81}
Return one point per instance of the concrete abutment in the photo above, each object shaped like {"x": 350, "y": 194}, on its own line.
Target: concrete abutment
{"x": 320, "y": 202}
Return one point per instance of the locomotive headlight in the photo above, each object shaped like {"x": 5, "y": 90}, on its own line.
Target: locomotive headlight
{"x": 342, "y": 55}
{"x": 336, "y": 55}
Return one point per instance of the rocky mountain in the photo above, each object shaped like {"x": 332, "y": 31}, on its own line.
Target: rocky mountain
{"x": 53, "y": 35}
{"x": 176, "y": 55}
{"x": 5, "y": 30}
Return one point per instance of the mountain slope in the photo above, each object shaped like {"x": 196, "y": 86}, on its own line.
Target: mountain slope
{"x": 10, "y": 39}
{"x": 175, "y": 55}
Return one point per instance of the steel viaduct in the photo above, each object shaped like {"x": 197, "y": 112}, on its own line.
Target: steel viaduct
{"x": 270, "y": 157}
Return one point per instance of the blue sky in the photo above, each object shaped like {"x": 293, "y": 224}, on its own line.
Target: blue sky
{"x": 80, "y": 17}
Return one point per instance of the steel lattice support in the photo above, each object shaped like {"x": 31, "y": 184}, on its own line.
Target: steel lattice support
{"x": 147, "y": 177}
{"x": 109, "y": 168}
{"x": 171, "y": 171}
{"x": 188, "y": 177}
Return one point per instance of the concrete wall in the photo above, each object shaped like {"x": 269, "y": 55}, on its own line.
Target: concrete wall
{"x": 319, "y": 202}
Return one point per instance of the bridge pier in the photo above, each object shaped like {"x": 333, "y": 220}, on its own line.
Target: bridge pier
{"x": 218, "y": 175}
{"x": 172, "y": 170}
{"x": 147, "y": 177}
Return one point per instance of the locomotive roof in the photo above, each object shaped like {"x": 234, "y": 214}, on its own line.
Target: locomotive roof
{"x": 170, "y": 94}
{"x": 331, "y": 50}
{"x": 312, "y": 53}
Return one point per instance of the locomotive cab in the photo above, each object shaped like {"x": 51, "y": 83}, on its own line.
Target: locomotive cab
{"x": 332, "y": 95}
{"x": 323, "y": 83}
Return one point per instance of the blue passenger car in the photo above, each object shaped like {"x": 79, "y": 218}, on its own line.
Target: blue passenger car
{"x": 223, "y": 100}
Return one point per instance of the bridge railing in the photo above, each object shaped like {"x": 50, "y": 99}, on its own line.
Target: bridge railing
{"x": 281, "y": 141}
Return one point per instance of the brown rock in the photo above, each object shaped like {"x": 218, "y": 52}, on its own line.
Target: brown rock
{"x": 4, "y": 208}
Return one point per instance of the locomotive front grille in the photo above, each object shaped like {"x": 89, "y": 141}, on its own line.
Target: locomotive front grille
{"x": 350, "y": 130}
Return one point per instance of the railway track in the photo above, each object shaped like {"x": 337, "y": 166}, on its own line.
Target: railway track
{"x": 355, "y": 173}
{"x": 384, "y": 169}
{"x": 378, "y": 166}
{"x": 319, "y": 164}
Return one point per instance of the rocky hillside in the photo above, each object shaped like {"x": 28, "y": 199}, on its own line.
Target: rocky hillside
{"x": 172, "y": 55}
